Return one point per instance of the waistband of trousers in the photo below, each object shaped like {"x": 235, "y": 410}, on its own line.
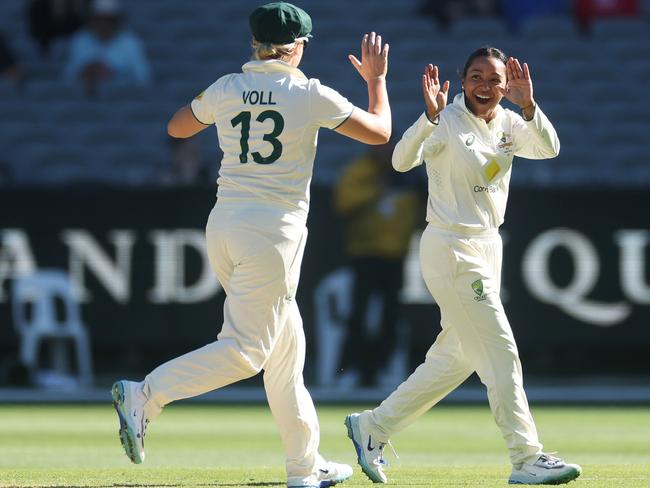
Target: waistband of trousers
{"x": 463, "y": 232}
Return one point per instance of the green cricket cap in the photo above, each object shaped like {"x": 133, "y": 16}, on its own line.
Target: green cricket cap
{"x": 279, "y": 23}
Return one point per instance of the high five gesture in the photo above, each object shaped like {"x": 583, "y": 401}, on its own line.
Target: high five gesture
{"x": 374, "y": 58}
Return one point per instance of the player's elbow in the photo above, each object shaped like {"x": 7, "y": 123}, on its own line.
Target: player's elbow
{"x": 379, "y": 140}
{"x": 175, "y": 130}
{"x": 379, "y": 137}
{"x": 170, "y": 130}
{"x": 400, "y": 167}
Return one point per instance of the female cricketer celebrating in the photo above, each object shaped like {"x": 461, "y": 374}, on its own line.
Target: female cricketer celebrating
{"x": 267, "y": 118}
{"x": 468, "y": 149}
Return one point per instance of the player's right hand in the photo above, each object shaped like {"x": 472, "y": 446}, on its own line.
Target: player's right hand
{"x": 374, "y": 58}
{"x": 435, "y": 96}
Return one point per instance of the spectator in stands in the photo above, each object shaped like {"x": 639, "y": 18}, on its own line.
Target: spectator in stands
{"x": 187, "y": 166}
{"x": 10, "y": 70}
{"x": 49, "y": 19}
{"x": 380, "y": 210}
{"x": 587, "y": 10}
{"x": 105, "y": 52}
{"x": 445, "y": 12}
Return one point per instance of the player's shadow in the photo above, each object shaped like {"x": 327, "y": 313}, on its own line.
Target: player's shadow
{"x": 251, "y": 483}
{"x": 216, "y": 483}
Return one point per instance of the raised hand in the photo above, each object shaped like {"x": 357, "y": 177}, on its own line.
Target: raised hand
{"x": 519, "y": 87}
{"x": 435, "y": 96}
{"x": 374, "y": 58}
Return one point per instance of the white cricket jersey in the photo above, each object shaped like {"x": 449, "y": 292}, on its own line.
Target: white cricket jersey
{"x": 469, "y": 162}
{"x": 267, "y": 120}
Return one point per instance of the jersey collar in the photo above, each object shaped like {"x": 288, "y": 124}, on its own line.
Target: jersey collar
{"x": 272, "y": 66}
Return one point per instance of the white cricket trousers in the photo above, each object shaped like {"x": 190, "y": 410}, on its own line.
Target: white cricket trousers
{"x": 463, "y": 274}
{"x": 256, "y": 256}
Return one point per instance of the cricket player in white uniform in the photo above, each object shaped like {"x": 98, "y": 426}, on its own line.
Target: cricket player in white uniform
{"x": 267, "y": 118}
{"x": 468, "y": 148}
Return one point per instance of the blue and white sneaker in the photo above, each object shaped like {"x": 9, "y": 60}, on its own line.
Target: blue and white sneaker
{"x": 370, "y": 452}
{"x": 546, "y": 470}
{"x": 333, "y": 473}
{"x": 129, "y": 401}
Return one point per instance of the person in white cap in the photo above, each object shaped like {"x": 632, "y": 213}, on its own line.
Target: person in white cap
{"x": 468, "y": 147}
{"x": 267, "y": 118}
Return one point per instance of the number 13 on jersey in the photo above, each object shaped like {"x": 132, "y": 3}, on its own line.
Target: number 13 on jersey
{"x": 244, "y": 118}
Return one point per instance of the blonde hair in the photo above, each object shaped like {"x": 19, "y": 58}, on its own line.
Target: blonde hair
{"x": 266, "y": 50}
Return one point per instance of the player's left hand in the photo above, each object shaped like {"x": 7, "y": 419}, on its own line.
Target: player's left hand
{"x": 519, "y": 86}
{"x": 374, "y": 58}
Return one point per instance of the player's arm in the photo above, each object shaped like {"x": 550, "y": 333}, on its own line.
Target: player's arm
{"x": 534, "y": 136}
{"x": 184, "y": 123}
{"x": 374, "y": 125}
{"x": 409, "y": 150}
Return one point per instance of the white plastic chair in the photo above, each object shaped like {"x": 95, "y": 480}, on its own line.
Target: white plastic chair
{"x": 41, "y": 289}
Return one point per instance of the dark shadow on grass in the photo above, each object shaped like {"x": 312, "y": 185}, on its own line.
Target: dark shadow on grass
{"x": 163, "y": 485}
{"x": 253, "y": 483}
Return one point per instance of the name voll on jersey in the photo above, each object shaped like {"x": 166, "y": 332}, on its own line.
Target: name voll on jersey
{"x": 255, "y": 97}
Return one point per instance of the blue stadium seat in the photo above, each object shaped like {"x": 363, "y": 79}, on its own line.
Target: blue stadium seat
{"x": 481, "y": 30}
{"x": 620, "y": 28}
{"x": 543, "y": 28}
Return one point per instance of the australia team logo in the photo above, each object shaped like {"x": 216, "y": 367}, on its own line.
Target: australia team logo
{"x": 477, "y": 286}
{"x": 505, "y": 142}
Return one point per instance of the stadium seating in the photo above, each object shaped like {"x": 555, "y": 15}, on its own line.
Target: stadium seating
{"x": 583, "y": 83}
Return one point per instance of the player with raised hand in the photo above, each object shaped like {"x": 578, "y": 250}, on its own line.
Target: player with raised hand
{"x": 267, "y": 118}
{"x": 468, "y": 148}
{"x": 435, "y": 96}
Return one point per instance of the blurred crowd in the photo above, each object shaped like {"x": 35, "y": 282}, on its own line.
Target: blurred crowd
{"x": 518, "y": 12}
{"x": 102, "y": 49}
{"x": 101, "y": 52}
{"x": 113, "y": 78}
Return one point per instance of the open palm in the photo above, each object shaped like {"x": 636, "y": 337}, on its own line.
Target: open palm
{"x": 519, "y": 88}
{"x": 435, "y": 96}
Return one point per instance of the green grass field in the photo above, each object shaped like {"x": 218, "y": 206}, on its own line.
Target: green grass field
{"x": 233, "y": 446}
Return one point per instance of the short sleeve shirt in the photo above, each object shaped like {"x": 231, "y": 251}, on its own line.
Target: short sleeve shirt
{"x": 267, "y": 120}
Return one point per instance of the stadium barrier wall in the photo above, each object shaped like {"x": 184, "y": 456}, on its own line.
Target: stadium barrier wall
{"x": 576, "y": 279}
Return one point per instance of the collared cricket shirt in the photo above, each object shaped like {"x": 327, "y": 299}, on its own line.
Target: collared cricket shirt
{"x": 469, "y": 162}
{"x": 267, "y": 120}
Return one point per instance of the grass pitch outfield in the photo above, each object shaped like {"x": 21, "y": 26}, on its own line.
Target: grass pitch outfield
{"x": 238, "y": 446}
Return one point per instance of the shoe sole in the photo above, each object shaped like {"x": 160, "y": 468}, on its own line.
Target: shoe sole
{"x": 126, "y": 433}
{"x": 352, "y": 431}
{"x": 334, "y": 481}
{"x": 328, "y": 483}
{"x": 558, "y": 481}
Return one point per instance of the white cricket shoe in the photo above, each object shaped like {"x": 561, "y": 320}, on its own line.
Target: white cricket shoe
{"x": 129, "y": 401}
{"x": 311, "y": 482}
{"x": 370, "y": 452}
{"x": 547, "y": 470}
{"x": 328, "y": 475}
{"x": 333, "y": 473}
